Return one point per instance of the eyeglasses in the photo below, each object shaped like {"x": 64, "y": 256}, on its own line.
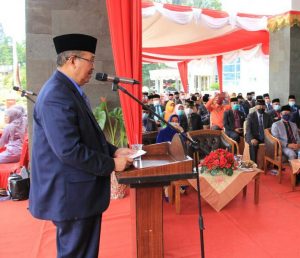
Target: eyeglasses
{"x": 91, "y": 61}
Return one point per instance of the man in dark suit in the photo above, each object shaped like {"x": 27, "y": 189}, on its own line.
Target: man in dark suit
{"x": 71, "y": 159}
{"x": 268, "y": 102}
{"x": 234, "y": 120}
{"x": 275, "y": 111}
{"x": 295, "y": 110}
{"x": 248, "y": 103}
{"x": 256, "y": 123}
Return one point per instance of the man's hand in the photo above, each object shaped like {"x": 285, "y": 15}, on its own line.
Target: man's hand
{"x": 293, "y": 146}
{"x": 124, "y": 152}
{"x": 254, "y": 142}
{"x": 122, "y": 163}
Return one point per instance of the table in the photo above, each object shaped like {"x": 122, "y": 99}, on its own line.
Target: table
{"x": 219, "y": 190}
{"x": 295, "y": 165}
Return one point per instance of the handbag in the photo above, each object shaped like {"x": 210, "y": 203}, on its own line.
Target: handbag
{"x": 18, "y": 187}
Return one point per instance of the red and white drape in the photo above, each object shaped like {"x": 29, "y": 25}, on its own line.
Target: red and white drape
{"x": 126, "y": 33}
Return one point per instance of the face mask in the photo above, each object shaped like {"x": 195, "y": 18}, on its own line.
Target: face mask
{"x": 182, "y": 97}
{"x": 235, "y": 106}
{"x": 145, "y": 115}
{"x": 292, "y": 103}
{"x": 277, "y": 107}
{"x": 286, "y": 117}
{"x": 155, "y": 102}
{"x": 175, "y": 124}
{"x": 188, "y": 111}
{"x": 261, "y": 111}
{"x": 180, "y": 112}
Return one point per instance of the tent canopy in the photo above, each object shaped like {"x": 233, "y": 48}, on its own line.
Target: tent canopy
{"x": 180, "y": 33}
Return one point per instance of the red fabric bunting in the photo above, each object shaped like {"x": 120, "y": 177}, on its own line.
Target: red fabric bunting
{"x": 125, "y": 28}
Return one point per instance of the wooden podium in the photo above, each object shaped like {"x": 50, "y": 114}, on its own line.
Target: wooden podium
{"x": 163, "y": 163}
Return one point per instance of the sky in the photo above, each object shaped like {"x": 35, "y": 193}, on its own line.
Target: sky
{"x": 12, "y": 17}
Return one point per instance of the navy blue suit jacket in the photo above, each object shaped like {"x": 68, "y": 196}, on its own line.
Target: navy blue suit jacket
{"x": 71, "y": 160}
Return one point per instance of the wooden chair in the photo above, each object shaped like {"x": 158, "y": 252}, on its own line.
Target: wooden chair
{"x": 273, "y": 153}
{"x": 209, "y": 140}
{"x": 6, "y": 169}
{"x": 149, "y": 137}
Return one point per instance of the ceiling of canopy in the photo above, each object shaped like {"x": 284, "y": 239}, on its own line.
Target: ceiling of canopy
{"x": 180, "y": 33}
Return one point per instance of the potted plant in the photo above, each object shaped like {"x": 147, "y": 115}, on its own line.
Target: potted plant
{"x": 112, "y": 124}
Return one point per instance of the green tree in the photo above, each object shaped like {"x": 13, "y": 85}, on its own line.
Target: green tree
{"x": 21, "y": 52}
{"x": 6, "y": 57}
{"x": 146, "y": 73}
{"x": 209, "y": 4}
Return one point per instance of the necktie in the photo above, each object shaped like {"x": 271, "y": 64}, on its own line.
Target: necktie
{"x": 86, "y": 100}
{"x": 291, "y": 138}
{"x": 261, "y": 128}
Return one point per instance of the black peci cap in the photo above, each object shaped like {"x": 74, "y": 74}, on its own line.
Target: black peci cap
{"x": 275, "y": 100}
{"x": 285, "y": 108}
{"x": 79, "y": 42}
{"x": 292, "y": 97}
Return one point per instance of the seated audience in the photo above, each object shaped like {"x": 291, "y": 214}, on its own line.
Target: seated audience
{"x": 253, "y": 109}
{"x": 295, "y": 116}
{"x": 275, "y": 111}
{"x": 256, "y": 123}
{"x": 203, "y": 112}
{"x": 267, "y": 100}
{"x": 13, "y": 136}
{"x": 241, "y": 104}
{"x": 166, "y": 134}
{"x": 169, "y": 109}
{"x": 24, "y": 114}
{"x": 234, "y": 120}
{"x": 287, "y": 133}
{"x": 216, "y": 108}
{"x": 149, "y": 123}
{"x": 177, "y": 100}
{"x": 248, "y": 103}
{"x": 157, "y": 108}
{"x": 179, "y": 110}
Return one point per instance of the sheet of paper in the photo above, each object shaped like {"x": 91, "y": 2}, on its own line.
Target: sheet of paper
{"x": 137, "y": 154}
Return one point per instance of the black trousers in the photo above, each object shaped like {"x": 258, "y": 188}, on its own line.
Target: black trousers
{"x": 253, "y": 151}
{"x": 233, "y": 135}
{"x": 78, "y": 238}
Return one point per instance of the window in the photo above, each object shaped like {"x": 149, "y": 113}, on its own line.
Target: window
{"x": 231, "y": 73}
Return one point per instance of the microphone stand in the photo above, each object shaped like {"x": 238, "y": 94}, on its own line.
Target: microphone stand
{"x": 195, "y": 148}
{"x": 24, "y": 94}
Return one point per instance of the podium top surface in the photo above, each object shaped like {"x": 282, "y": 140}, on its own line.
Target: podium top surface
{"x": 163, "y": 162}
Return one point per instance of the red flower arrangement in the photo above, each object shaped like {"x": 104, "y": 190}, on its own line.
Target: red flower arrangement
{"x": 217, "y": 161}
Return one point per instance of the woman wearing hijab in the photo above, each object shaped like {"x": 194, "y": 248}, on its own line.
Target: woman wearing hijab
{"x": 12, "y": 136}
{"x": 170, "y": 109}
{"x": 166, "y": 134}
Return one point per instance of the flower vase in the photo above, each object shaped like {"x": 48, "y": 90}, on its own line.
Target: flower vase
{"x": 117, "y": 191}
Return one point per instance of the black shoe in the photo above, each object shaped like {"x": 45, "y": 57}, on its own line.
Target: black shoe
{"x": 297, "y": 179}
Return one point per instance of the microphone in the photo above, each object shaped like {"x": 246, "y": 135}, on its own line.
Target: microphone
{"x": 114, "y": 79}
{"x": 24, "y": 92}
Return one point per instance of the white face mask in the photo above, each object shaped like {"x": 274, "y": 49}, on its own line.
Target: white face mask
{"x": 155, "y": 102}
{"x": 188, "y": 111}
{"x": 175, "y": 124}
